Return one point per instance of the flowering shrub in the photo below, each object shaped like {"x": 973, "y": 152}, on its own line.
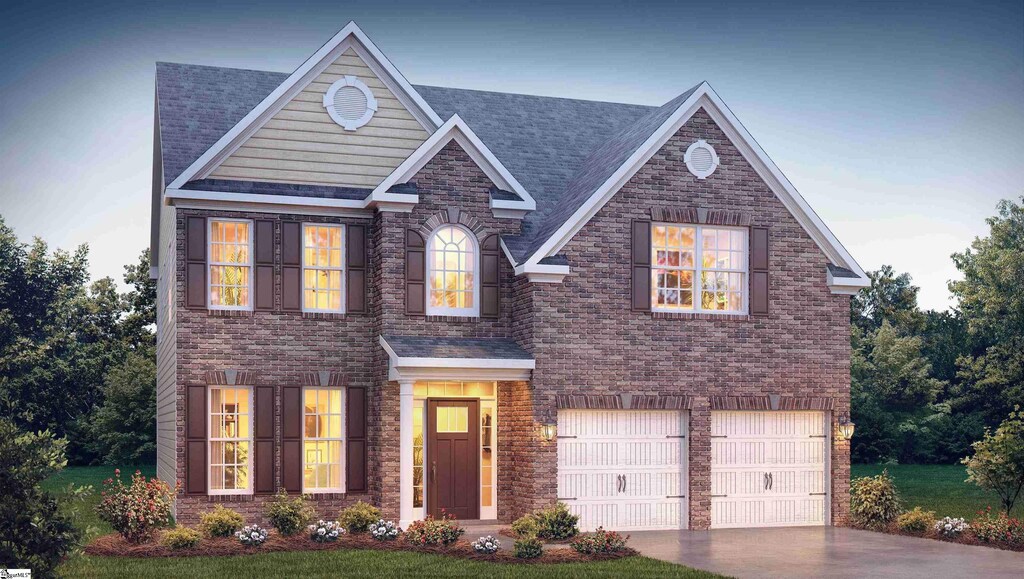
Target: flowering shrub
{"x": 431, "y": 531}
{"x": 600, "y": 541}
{"x": 556, "y": 522}
{"x": 915, "y": 522}
{"x": 359, "y": 517}
{"x": 181, "y": 538}
{"x": 325, "y": 531}
{"x": 221, "y": 522}
{"x": 288, "y": 515}
{"x": 527, "y": 548}
{"x": 137, "y": 509}
{"x": 951, "y": 526}
{"x": 487, "y": 545}
{"x": 998, "y": 529}
{"x": 384, "y": 530}
{"x": 252, "y": 535}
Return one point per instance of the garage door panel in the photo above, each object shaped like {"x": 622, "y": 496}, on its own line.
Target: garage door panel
{"x": 803, "y": 481}
{"x": 738, "y": 483}
{"x": 730, "y": 512}
{"x": 651, "y": 454}
{"x": 667, "y": 514}
{"x": 799, "y": 511}
{"x": 594, "y": 515}
{"x": 727, "y": 452}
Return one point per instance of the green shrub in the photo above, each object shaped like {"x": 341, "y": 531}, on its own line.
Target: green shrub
{"x": 431, "y": 531}
{"x": 915, "y": 522}
{"x": 221, "y": 522}
{"x": 135, "y": 510}
{"x": 527, "y": 548}
{"x": 359, "y": 517}
{"x": 288, "y": 515}
{"x": 600, "y": 541}
{"x": 180, "y": 538}
{"x": 557, "y": 523}
{"x": 526, "y": 526}
{"x": 874, "y": 502}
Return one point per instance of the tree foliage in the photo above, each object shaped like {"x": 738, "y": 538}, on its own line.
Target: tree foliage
{"x": 998, "y": 460}
{"x": 123, "y": 428}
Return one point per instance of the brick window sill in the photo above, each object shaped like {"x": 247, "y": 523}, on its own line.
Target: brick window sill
{"x": 323, "y": 316}
{"x": 701, "y": 316}
{"x": 230, "y": 313}
{"x": 453, "y": 319}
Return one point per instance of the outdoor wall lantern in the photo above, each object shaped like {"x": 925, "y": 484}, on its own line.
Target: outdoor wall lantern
{"x": 845, "y": 426}
{"x": 547, "y": 432}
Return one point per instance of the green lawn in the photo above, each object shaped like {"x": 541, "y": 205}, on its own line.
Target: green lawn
{"x": 324, "y": 563}
{"x": 939, "y": 488}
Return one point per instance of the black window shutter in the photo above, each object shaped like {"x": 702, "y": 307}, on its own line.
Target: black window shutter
{"x": 355, "y": 264}
{"x": 490, "y": 278}
{"x": 415, "y": 273}
{"x": 641, "y": 263}
{"x": 759, "y": 260}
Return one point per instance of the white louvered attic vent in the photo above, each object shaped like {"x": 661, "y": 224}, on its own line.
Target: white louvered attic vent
{"x": 701, "y": 159}
{"x": 350, "y": 103}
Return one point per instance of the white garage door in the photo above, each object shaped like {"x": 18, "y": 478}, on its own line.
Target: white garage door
{"x": 623, "y": 469}
{"x": 768, "y": 469}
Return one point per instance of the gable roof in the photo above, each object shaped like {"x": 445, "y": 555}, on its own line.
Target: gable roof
{"x": 565, "y": 157}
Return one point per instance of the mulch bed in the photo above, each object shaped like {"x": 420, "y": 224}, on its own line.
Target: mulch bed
{"x": 966, "y": 538}
{"x": 113, "y": 545}
{"x": 508, "y": 532}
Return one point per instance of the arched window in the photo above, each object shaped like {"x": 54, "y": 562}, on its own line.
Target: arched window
{"x": 452, "y": 283}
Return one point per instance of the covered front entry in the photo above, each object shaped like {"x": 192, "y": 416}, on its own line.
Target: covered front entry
{"x": 453, "y": 455}
{"x": 769, "y": 468}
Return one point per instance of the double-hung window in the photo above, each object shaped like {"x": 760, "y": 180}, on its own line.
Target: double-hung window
{"x": 698, "y": 268}
{"x": 323, "y": 268}
{"x": 230, "y": 440}
{"x": 323, "y": 441}
{"x": 230, "y": 264}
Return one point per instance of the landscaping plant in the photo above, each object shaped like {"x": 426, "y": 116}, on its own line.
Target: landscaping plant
{"x": 998, "y": 529}
{"x": 137, "y": 509}
{"x": 874, "y": 502}
{"x": 486, "y": 545}
{"x": 359, "y": 517}
{"x": 288, "y": 515}
{"x": 557, "y": 523}
{"x": 431, "y": 531}
{"x": 998, "y": 461}
{"x": 384, "y": 530}
{"x": 181, "y": 538}
{"x": 600, "y": 541}
{"x": 252, "y": 536}
{"x": 220, "y": 522}
{"x": 529, "y": 548}
{"x": 915, "y": 522}
{"x": 951, "y": 527}
{"x": 526, "y": 526}
{"x": 325, "y": 531}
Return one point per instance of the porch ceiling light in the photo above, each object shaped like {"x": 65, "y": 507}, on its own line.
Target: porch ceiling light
{"x": 547, "y": 432}
{"x": 846, "y": 426}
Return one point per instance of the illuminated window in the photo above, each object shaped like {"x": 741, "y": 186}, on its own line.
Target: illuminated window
{"x": 323, "y": 268}
{"x": 699, "y": 269}
{"x": 230, "y": 440}
{"x": 452, "y": 259}
{"x": 230, "y": 261}
{"x": 323, "y": 441}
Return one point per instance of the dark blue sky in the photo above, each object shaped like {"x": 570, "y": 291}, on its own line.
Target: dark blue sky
{"x": 902, "y": 123}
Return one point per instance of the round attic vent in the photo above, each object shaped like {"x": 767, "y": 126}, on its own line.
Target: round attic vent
{"x": 701, "y": 159}
{"x": 350, "y": 103}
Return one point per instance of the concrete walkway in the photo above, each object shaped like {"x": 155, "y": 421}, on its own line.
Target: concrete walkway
{"x": 824, "y": 552}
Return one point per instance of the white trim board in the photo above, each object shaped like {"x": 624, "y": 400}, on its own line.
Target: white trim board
{"x": 704, "y": 97}
{"x": 351, "y": 36}
{"x": 456, "y": 129}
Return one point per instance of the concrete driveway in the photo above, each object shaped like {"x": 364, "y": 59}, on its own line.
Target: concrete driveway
{"x": 824, "y": 552}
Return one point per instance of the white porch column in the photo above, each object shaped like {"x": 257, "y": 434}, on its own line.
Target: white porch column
{"x": 405, "y": 452}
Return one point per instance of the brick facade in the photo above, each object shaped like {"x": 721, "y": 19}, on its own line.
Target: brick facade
{"x": 586, "y": 340}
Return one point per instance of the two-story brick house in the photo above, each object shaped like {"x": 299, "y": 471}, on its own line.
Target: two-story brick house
{"x": 432, "y": 298}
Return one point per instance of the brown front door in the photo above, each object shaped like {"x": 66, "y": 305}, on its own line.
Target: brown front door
{"x": 453, "y": 458}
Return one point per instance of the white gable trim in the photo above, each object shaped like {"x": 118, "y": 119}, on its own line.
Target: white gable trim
{"x": 705, "y": 97}
{"x": 456, "y": 129}
{"x": 349, "y": 37}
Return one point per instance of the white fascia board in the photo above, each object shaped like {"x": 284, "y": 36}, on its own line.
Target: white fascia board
{"x": 542, "y": 273}
{"x": 508, "y": 254}
{"x": 188, "y": 198}
{"x": 457, "y": 129}
{"x": 294, "y": 84}
{"x": 846, "y": 285}
{"x": 408, "y": 365}
{"x": 705, "y": 97}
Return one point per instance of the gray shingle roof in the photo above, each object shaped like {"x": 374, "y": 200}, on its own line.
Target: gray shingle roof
{"x": 837, "y": 271}
{"x": 438, "y": 347}
{"x": 560, "y": 149}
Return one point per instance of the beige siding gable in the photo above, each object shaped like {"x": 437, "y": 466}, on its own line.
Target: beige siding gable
{"x": 302, "y": 144}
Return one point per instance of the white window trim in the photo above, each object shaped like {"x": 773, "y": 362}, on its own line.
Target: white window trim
{"x": 342, "y": 268}
{"x": 252, "y": 270}
{"x": 210, "y": 440}
{"x": 473, "y": 312}
{"x": 341, "y": 439}
{"x": 698, "y": 268}
{"x": 371, "y": 102}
